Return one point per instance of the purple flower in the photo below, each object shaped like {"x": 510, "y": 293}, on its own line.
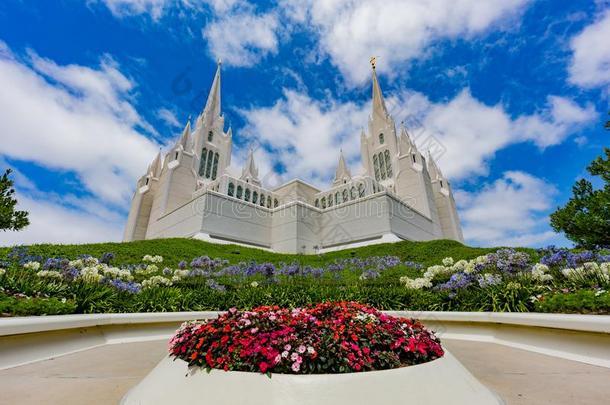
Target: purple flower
{"x": 215, "y": 286}
{"x": 107, "y": 257}
{"x": 127, "y": 286}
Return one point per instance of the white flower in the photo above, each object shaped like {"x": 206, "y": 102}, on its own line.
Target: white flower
{"x": 51, "y": 274}
{"x": 310, "y": 350}
{"x": 90, "y": 275}
{"x": 77, "y": 264}
{"x": 152, "y": 259}
{"x": 254, "y": 284}
{"x": 433, "y": 271}
{"x": 538, "y": 273}
{"x": 180, "y": 273}
{"x": 156, "y": 281}
{"x": 460, "y": 266}
{"x": 416, "y": 284}
{"x": 32, "y": 266}
{"x": 448, "y": 261}
{"x": 90, "y": 261}
{"x": 470, "y": 267}
{"x": 2, "y": 272}
{"x": 481, "y": 260}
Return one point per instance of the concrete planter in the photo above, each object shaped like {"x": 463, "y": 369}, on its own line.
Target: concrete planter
{"x": 442, "y": 381}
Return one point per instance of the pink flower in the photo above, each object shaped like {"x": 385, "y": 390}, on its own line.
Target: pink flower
{"x": 296, "y": 367}
{"x": 287, "y": 347}
{"x": 294, "y": 356}
{"x": 301, "y": 349}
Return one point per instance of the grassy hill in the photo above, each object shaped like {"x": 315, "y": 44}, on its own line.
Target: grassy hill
{"x": 504, "y": 283}
{"x": 177, "y": 249}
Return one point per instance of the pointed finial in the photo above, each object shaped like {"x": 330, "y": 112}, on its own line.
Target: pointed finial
{"x": 373, "y": 61}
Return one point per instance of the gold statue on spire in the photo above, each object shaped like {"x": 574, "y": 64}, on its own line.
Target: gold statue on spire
{"x": 373, "y": 61}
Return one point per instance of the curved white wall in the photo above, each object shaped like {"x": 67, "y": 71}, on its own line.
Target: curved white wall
{"x": 584, "y": 338}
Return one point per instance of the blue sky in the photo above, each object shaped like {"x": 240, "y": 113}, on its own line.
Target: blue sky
{"x": 515, "y": 92}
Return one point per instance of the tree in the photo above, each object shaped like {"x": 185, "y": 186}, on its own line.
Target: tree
{"x": 585, "y": 219}
{"x": 9, "y": 218}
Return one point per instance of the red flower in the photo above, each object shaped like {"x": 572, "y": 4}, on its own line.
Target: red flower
{"x": 263, "y": 367}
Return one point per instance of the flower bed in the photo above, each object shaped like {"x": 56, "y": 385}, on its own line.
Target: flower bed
{"x": 505, "y": 280}
{"x": 339, "y": 337}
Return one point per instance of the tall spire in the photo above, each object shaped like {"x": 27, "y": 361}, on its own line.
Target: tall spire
{"x": 212, "y": 105}
{"x": 342, "y": 174}
{"x": 250, "y": 172}
{"x": 433, "y": 169}
{"x": 186, "y": 134}
{"x": 379, "y": 108}
{"x": 156, "y": 166}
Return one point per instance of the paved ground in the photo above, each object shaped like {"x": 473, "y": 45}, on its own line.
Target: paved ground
{"x": 103, "y": 375}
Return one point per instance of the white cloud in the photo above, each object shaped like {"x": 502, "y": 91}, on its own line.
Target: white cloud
{"x": 305, "y": 135}
{"x": 122, "y": 8}
{"x": 590, "y": 64}
{"x": 242, "y": 38}
{"x": 472, "y": 132}
{"x": 168, "y": 117}
{"x": 512, "y": 211}
{"x": 350, "y": 31}
{"x": 74, "y": 118}
{"x": 54, "y": 223}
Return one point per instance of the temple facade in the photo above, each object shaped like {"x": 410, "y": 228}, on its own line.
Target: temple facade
{"x": 189, "y": 192}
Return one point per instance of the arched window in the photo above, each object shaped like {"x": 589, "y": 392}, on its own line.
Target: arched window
{"x": 247, "y": 195}
{"x": 210, "y": 136}
{"x": 231, "y": 189}
{"x": 381, "y": 166}
{"x": 360, "y": 190}
{"x": 215, "y": 166}
{"x": 376, "y": 166}
{"x": 317, "y": 203}
{"x": 176, "y": 155}
{"x": 330, "y": 200}
{"x": 414, "y": 159}
{"x": 147, "y": 180}
{"x": 276, "y": 203}
{"x": 204, "y": 155}
{"x": 345, "y": 196}
{"x": 337, "y": 198}
{"x": 239, "y": 191}
{"x": 352, "y": 193}
{"x": 208, "y": 164}
{"x": 268, "y": 202}
{"x": 388, "y": 163}
{"x": 254, "y": 197}
{"x": 262, "y": 200}
{"x": 441, "y": 183}
{"x": 381, "y": 139}
{"x": 323, "y": 202}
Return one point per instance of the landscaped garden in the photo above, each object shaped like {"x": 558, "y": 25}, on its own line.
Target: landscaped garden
{"x": 190, "y": 275}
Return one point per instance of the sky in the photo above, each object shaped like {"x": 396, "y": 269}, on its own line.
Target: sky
{"x": 512, "y": 94}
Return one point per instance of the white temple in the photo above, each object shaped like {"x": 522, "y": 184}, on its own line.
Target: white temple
{"x": 189, "y": 192}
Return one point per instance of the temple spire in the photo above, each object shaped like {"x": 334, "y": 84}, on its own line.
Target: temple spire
{"x": 433, "y": 169}
{"x": 186, "y": 134}
{"x": 250, "y": 172}
{"x": 379, "y": 108}
{"x": 342, "y": 174}
{"x": 212, "y": 105}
